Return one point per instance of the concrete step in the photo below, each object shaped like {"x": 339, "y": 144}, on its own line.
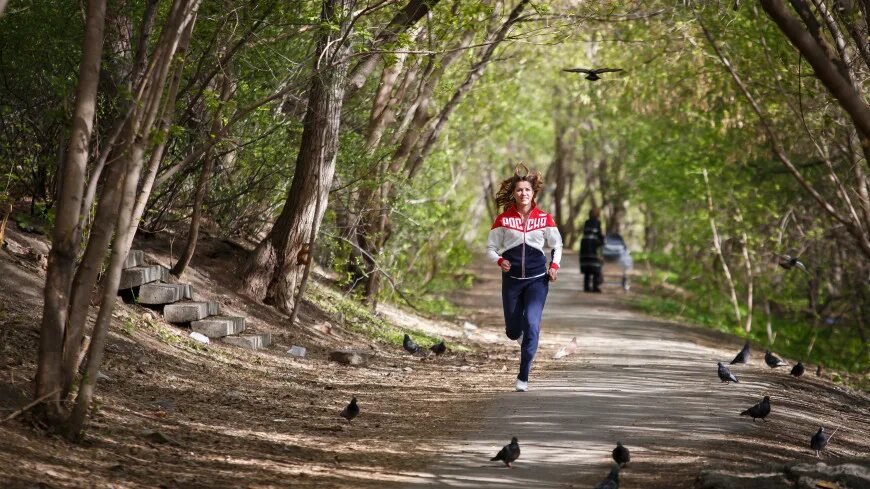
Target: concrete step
{"x": 251, "y": 342}
{"x": 136, "y": 276}
{"x": 218, "y": 326}
{"x": 186, "y": 312}
{"x": 155, "y": 294}
{"x": 135, "y": 258}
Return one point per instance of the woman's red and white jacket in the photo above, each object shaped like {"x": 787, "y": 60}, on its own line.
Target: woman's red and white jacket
{"x": 524, "y": 248}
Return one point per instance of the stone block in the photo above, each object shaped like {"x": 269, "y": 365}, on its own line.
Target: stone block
{"x": 136, "y": 276}
{"x": 349, "y": 357}
{"x": 251, "y": 342}
{"x": 218, "y": 326}
{"x": 160, "y": 293}
{"x": 135, "y": 258}
{"x": 185, "y": 312}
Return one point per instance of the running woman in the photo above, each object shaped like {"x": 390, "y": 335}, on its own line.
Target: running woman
{"x": 516, "y": 243}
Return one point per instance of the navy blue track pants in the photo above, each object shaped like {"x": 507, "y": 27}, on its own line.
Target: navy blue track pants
{"x": 523, "y": 302}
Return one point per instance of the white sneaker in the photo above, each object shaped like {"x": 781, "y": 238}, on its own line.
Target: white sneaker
{"x": 522, "y": 386}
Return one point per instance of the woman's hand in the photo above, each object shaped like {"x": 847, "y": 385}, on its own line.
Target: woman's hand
{"x": 552, "y": 273}
{"x": 505, "y": 265}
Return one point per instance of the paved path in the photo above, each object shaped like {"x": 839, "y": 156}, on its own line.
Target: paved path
{"x": 647, "y": 383}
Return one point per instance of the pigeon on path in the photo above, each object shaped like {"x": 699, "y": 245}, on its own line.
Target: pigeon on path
{"x": 760, "y": 410}
{"x": 592, "y": 74}
{"x": 508, "y": 453}
{"x": 742, "y": 356}
{"x": 788, "y": 262}
{"x": 798, "y": 369}
{"x": 820, "y": 440}
{"x": 351, "y": 410}
{"x": 620, "y": 455}
{"x": 409, "y": 345}
{"x": 773, "y": 361}
{"x": 725, "y": 375}
{"x": 612, "y": 480}
{"x": 438, "y": 348}
{"x": 567, "y": 349}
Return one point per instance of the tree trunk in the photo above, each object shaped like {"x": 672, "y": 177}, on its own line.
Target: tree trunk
{"x": 67, "y": 232}
{"x": 849, "y": 99}
{"x": 276, "y": 265}
{"x": 202, "y": 183}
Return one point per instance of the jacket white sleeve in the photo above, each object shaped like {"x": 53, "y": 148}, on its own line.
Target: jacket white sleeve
{"x": 494, "y": 244}
{"x": 554, "y": 240}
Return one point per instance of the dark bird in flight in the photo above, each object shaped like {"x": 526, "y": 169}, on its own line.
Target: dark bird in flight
{"x": 798, "y": 369}
{"x": 760, "y": 410}
{"x": 742, "y": 356}
{"x": 409, "y": 345}
{"x": 788, "y": 262}
{"x": 620, "y": 454}
{"x": 438, "y": 348}
{"x": 592, "y": 74}
{"x": 351, "y": 410}
{"x": 612, "y": 480}
{"x": 508, "y": 453}
{"x": 773, "y": 361}
{"x": 725, "y": 375}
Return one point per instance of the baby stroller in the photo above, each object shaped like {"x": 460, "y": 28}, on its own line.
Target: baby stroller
{"x": 614, "y": 250}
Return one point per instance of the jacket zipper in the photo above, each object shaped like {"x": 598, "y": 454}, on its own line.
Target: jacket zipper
{"x": 523, "y": 259}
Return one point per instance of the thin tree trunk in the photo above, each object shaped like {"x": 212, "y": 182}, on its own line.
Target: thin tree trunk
{"x": 849, "y": 99}
{"x": 717, "y": 246}
{"x": 202, "y": 183}
{"x": 67, "y": 232}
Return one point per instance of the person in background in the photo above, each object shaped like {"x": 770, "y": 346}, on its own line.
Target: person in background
{"x": 590, "y": 263}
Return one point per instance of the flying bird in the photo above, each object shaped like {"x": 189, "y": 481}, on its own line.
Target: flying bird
{"x": 438, "y": 348}
{"x": 773, "y": 361}
{"x": 788, "y": 262}
{"x": 725, "y": 375}
{"x": 760, "y": 410}
{"x": 592, "y": 74}
{"x": 798, "y": 369}
{"x": 351, "y": 410}
{"x": 742, "y": 356}
{"x": 508, "y": 453}
{"x": 409, "y": 345}
{"x": 612, "y": 480}
{"x": 567, "y": 349}
{"x": 620, "y": 454}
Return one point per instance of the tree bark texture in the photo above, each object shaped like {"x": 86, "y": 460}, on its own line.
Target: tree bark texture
{"x": 67, "y": 232}
{"x": 276, "y": 265}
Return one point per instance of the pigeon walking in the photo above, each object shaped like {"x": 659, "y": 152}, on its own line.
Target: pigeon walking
{"x": 508, "y": 453}
{"x": 742, "y": 356}
{"x": 788, "y": 262}
{"x": 612, "y": 480}
{"x": 798, "y": 369}
{"x": 567, "y": 349}
{"x": 592, "y": 74}
{"x": 409, "y": 345}
{"x": 438, "y": 348}
{"x": 620, "y": 455}
{"x": 725, "y": 375}
{"x": 819, "y": 441}
{"x": 773, "y": 361}
{"x": 760, "y": 410}
{"x": 351, "y": 410}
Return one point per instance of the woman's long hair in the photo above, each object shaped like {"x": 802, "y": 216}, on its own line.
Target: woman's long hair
{"x": 505, "y": 196}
